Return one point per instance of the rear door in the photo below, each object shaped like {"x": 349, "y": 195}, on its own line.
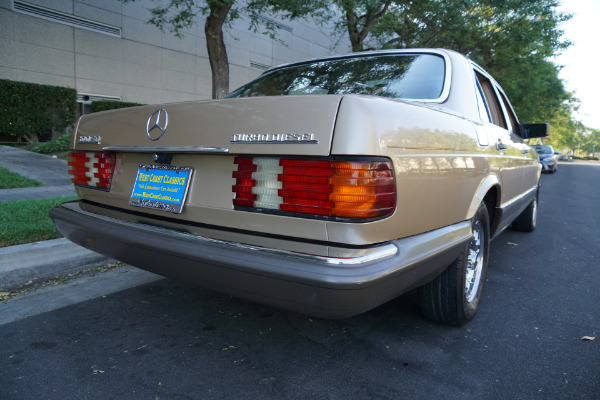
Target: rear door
{"x": 528, "y": 163}
{"x": 506, "y": 147}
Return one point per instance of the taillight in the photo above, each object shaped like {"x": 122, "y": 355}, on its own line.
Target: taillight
{"x": 92, "y": 169}
{"x": 354, "y": 189}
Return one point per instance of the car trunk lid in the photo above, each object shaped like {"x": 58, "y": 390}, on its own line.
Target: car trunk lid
{"x": 285, "y": 125}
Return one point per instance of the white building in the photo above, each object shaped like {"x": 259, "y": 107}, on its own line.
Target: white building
{"x": 106, "y": 50}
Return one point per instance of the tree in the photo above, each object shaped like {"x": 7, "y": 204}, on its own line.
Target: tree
{"x": 179, "y": 15}
{"x": 217, "y": 52}
{"x": 534, "y": 88}
{"x": 511, "y": 39}
{"x": 362, "y": 18}
{"x": 591, "y": 142}
{"x": 565, "y": 132}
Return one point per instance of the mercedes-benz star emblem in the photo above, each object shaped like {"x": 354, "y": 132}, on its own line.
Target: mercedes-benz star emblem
{"x": 158, "y": 120}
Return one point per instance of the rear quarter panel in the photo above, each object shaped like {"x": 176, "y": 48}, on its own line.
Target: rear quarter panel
{"x": 439, "y": 165}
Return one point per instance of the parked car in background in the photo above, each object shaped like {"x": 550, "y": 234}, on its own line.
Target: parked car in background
{"x": 548, "y": 157}
{"x": 326, "y": 187}
{"x": 563, "y": 157}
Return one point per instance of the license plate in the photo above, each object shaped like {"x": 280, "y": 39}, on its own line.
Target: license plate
{"x": 161, "y": 187}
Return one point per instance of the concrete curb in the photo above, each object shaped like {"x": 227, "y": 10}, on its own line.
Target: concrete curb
{"x": 44, "y": 260}
{"x": 40, "y": 260}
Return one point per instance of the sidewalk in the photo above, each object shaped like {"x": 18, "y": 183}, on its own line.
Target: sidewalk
{"x": 40, "y": 260}
{"x": 52, "y": 172}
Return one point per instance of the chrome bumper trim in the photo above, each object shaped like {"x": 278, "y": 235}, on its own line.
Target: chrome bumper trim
{"x": 373, "y": 254}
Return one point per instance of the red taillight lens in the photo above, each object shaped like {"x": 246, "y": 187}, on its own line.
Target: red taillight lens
{"x": 92, "y": 169}
{"x": 328, "y": 188}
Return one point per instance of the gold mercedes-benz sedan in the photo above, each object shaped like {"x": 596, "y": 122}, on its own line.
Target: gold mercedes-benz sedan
{"x": 326, "y": 187}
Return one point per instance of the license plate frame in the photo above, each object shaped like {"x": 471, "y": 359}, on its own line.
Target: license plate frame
{"x": 161, "y": 187}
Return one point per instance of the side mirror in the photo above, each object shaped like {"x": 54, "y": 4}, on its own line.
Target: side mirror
{"x": 529, "y": 131}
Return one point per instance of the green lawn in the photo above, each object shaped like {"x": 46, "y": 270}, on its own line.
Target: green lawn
{"x": 10, "y": 180}
{"x": 25, "y": 221}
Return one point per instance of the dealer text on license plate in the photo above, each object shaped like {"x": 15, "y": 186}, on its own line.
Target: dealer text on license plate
{"x": 161, "y": 187}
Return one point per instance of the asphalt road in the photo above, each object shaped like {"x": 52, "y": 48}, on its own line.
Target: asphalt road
{"x": 166, "y": 340}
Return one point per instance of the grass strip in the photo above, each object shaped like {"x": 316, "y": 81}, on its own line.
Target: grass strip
{"x": 11, "y": 180}
{"x": 25, "y": 221}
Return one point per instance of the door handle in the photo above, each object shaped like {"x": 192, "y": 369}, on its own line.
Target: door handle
{"x": 525, "y": 151}
{"x": 501, "y": 146}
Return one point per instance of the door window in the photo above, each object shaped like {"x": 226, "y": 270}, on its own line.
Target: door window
{"x": 494, "y": 107}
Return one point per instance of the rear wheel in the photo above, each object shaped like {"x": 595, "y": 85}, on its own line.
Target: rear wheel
{"x": 453, "y": 297}
{"x": 527, "y": 220}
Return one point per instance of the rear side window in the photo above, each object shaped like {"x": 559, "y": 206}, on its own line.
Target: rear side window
{"x": 492, "y": 101}
{"x": 484, "y": 113}
{"x": 511, "y": 116}
{"x": 401, "y": 76}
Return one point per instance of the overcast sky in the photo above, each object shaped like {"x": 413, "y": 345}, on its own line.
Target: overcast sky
{"x": 582, "y": 60}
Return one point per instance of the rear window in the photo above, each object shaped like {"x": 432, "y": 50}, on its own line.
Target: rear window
{"x": 401, "y": 76}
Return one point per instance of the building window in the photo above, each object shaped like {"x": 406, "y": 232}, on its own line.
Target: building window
{"x": 66, "y": 19}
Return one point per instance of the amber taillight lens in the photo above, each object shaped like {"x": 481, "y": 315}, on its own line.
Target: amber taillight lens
{"x": 347, "y": 189}
{"x": 91, "y": 169}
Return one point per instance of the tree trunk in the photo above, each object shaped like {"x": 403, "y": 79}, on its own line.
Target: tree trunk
{"x": 374, "y": 13}
{"x": 217, "y": 53}
{"x": 354, "y": 33}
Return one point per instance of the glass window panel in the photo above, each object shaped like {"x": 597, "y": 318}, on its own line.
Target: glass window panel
{"x": 402, "y": 76}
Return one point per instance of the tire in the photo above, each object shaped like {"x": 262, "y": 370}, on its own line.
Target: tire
{"x": 527, "y": 220}
{"x": 453, "y": 297}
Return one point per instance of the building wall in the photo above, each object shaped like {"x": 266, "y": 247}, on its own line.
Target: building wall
{"x": 144, "y": 65}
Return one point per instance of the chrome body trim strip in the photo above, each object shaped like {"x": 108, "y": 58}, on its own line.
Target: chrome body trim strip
{"x": 374, "y": 254}
{"x": 169, "y": 149}
{"x": 413, "y": 247}
{"x": 518, "y": 199}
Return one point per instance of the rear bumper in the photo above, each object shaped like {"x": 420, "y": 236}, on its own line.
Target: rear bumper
{"x": 321, "y": 286}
